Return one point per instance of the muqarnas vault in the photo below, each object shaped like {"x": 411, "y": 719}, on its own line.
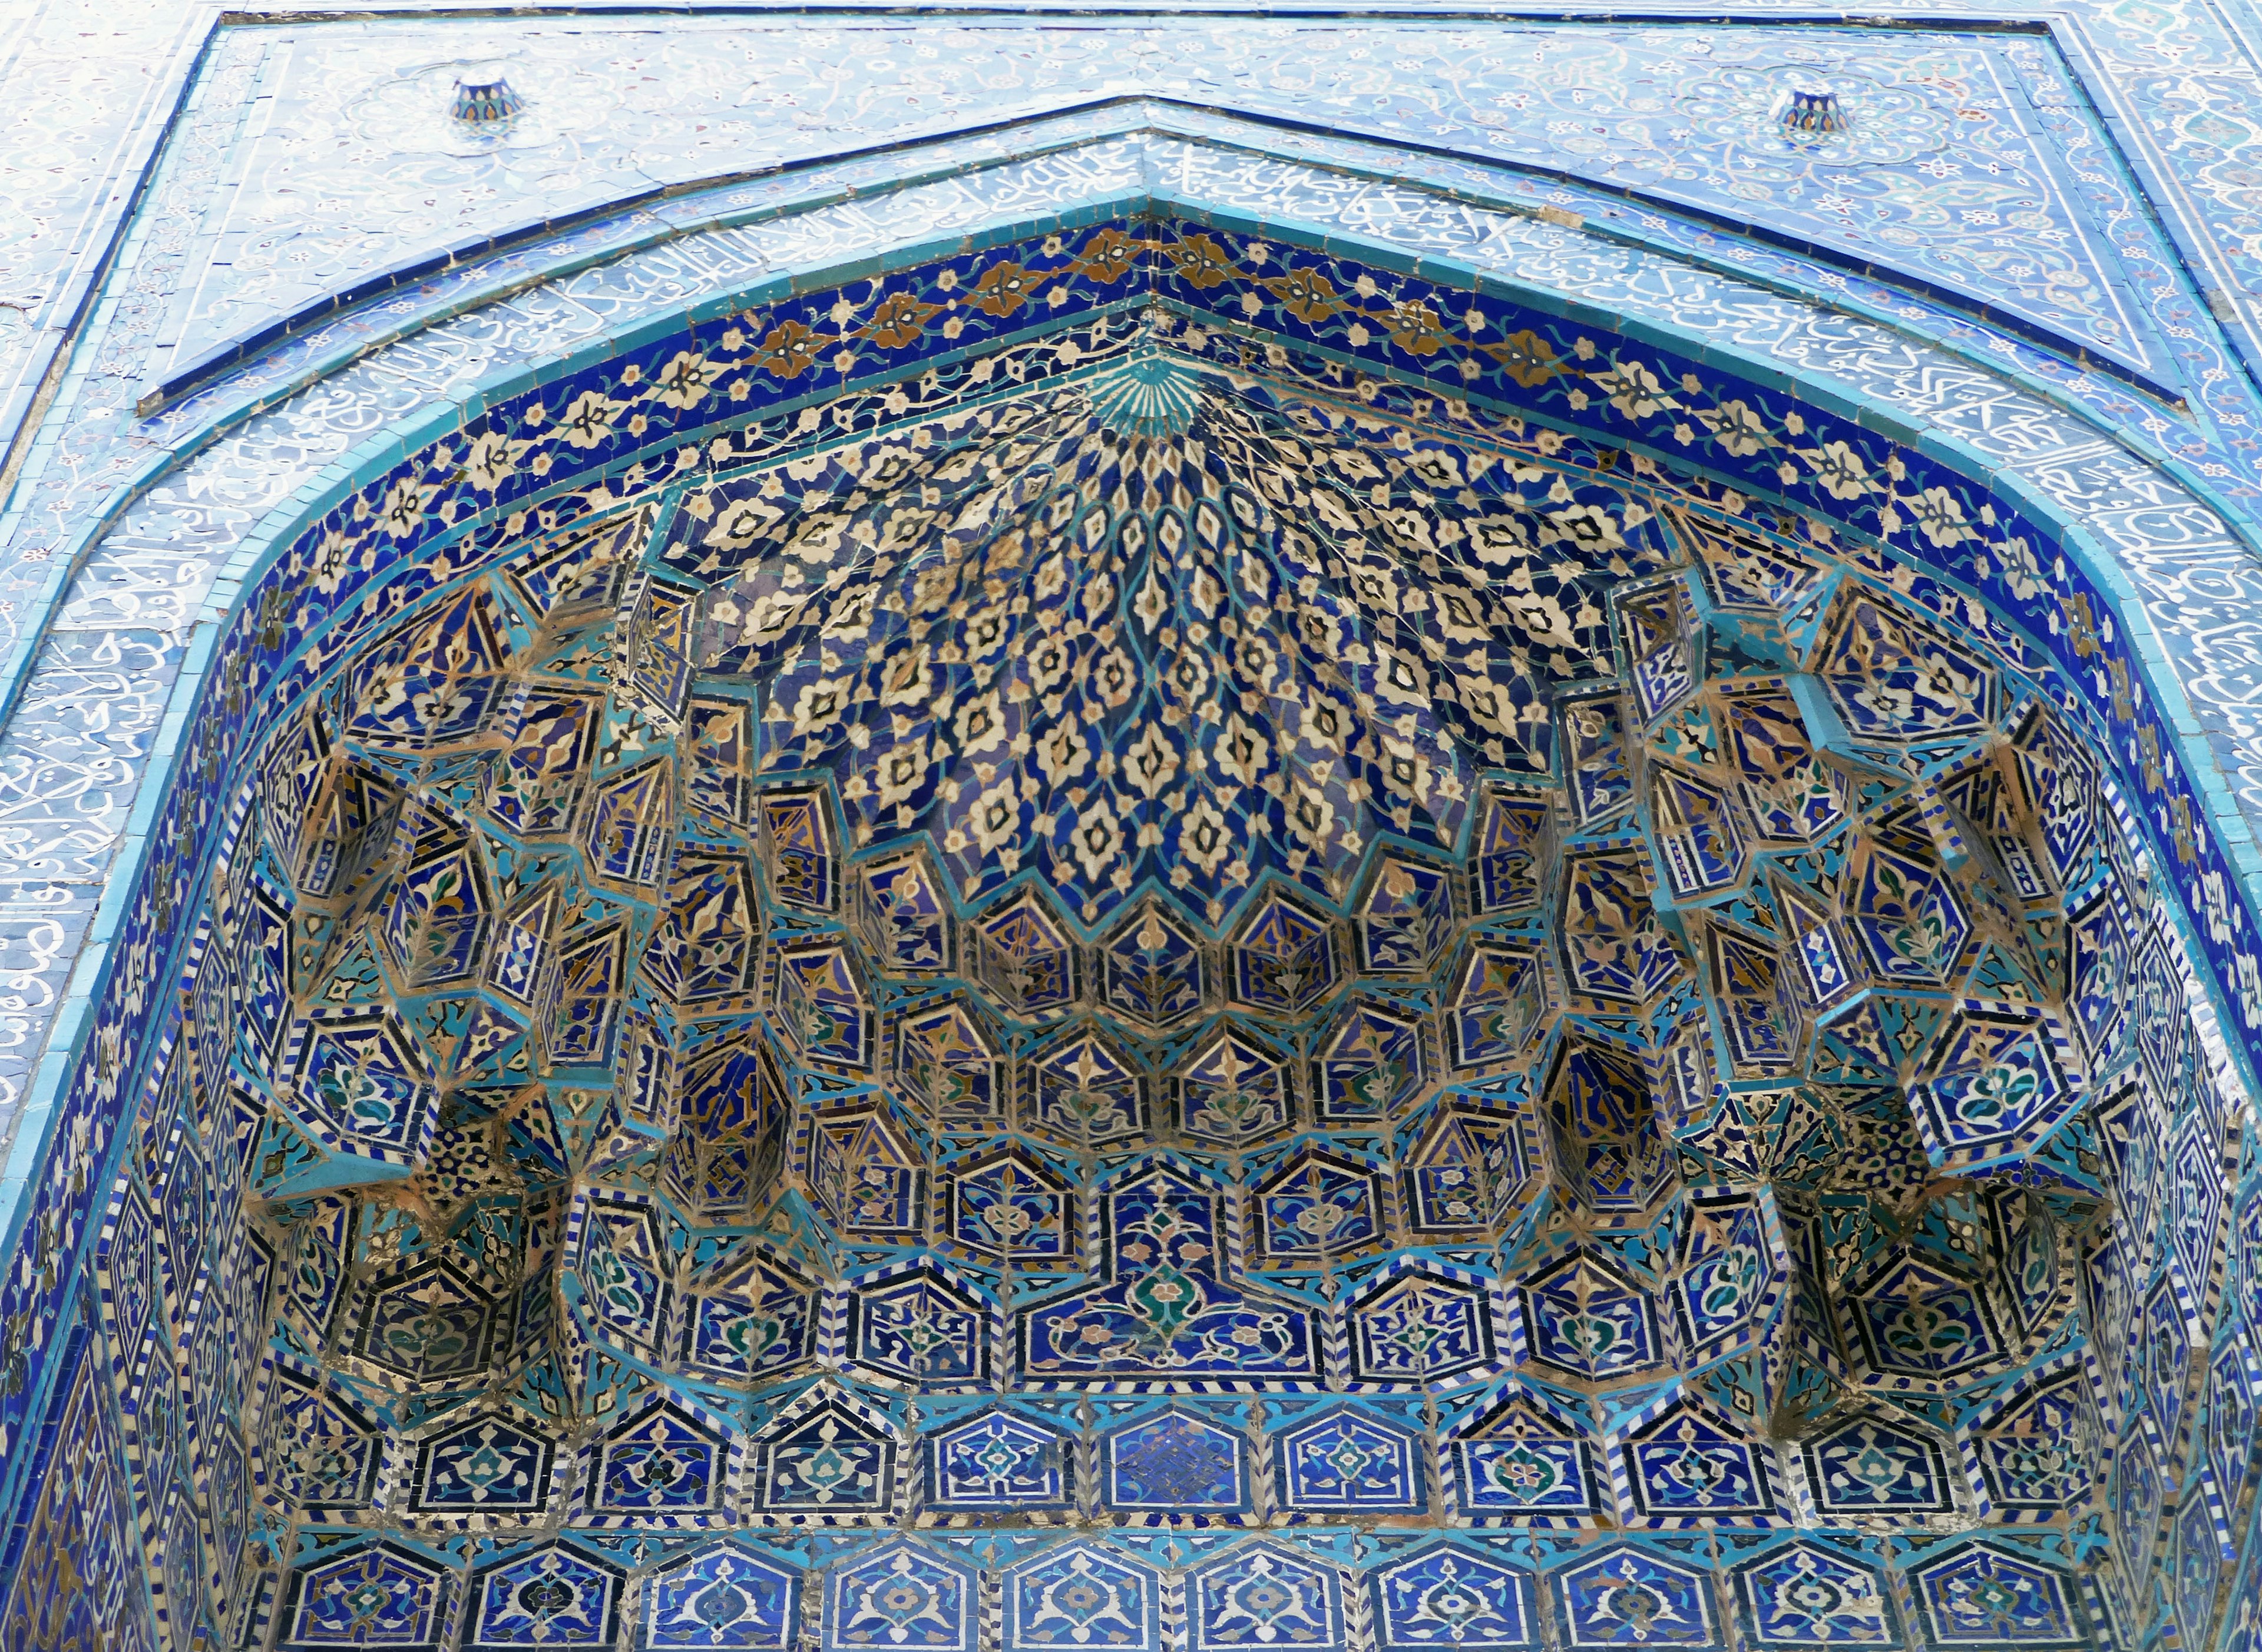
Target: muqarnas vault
{"x": 1189, "y": 1003}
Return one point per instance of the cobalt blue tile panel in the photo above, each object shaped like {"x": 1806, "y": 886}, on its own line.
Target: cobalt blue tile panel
{"x": 1157, "y": 898}
{"x": 785, "y": 895}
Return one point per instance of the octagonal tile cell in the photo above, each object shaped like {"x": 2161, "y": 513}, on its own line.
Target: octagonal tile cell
{"x": 371, "y": 1590}
{"x": 824, "y": 1007}
{"x": 1009, "y": 1203}
{"x": 554, "y": 1594}
{"x": 1498, "y": 1004}
{"x": 900, "y": 907}
{"x": 2032, "y": 1457}
{"x": 1523, "y": 1465}
{"x": 424, "y": 1323}
{"x": 948, "y": 1059}
{"x": 921, "y": 1329}
{"x": 662, "y": 1466}
{"x": 1653, "y": 630}
{"x": 1026, "y": 957}
{"x": 1730, "y": 1269}
{"x": 1691, "y": 1465}
{"x": 1466, "y": 1171}
{"x": 1794, "y": 797}
{"x": 1759, "y": 1011}
{"x": 1512, "y": 849}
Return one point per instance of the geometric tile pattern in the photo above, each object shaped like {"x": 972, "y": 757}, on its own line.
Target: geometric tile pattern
{"x": 1190, "y": 885}
{"x": 591, "y": 1062}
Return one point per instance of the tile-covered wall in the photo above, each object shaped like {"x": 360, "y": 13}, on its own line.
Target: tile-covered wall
{"x": 2076, "y": 606}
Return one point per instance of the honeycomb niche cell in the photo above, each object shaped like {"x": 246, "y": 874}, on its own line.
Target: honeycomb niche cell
{"x": 1019, "y": 1026}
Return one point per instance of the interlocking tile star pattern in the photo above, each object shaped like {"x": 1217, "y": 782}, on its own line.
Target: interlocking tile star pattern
{"x": 682, "y": 1077}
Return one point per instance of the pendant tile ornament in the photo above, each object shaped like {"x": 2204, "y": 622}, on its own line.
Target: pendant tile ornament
{"x": 1000, "y": 1462}
{"x": 1983, "y": 1597}
{"x": 724, "y": 1596}
{"x": 1263, "y": 1596}
{"x": 377, "y": 1594}
{"x": 554, "y": 1595}
{"x": 1450, "y": 1597}
{"x": 1805, "y": 1594}
{"x": 901, "y": 1594}
{"x": 1809, "y": 108}
{"x": 1628, "y": 1596}
{"x": 485, "y": 103}
{"x": 1080, "y": 1596}
{"x": 1351, "y": 1462}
